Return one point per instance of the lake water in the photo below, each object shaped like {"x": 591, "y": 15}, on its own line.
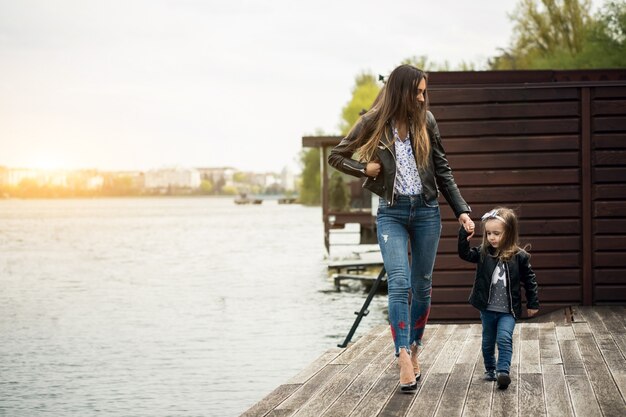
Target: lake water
{"x": 162, "y": 306}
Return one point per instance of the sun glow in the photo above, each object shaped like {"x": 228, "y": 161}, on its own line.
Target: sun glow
{"x": 46, "y": 163}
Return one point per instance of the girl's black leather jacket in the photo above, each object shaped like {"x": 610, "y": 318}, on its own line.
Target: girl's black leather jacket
{"x": 518, "y": 273}
{"x": 436, "y": 176}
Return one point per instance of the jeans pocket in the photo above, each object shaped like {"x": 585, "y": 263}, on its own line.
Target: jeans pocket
{"x": 432, "y": 203}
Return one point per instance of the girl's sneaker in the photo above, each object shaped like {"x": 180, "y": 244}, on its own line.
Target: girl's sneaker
{"x": 503, "y": 380}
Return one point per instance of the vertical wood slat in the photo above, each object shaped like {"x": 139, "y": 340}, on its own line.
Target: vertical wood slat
{"x": 587, "y": 202}
{"x": 325, "y": 199}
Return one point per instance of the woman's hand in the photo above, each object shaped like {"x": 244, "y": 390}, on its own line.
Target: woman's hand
{"x": 467, "y": 224}
{"x": 532, "y": 312}
{"x": 372, "y": 169}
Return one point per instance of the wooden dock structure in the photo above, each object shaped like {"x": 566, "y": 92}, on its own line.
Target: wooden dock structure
{"x": 571, "y": 362}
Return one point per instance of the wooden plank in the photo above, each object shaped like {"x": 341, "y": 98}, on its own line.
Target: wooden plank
{"x": 271, "y": 400}
{"x": 610, "y": 293}
{"x": 460, "y": 294}
{"x": 576, "y": 317}
{"x": 506, "y": 110}
{"x": 610, "y": 260}
{"x": 594, "y": 321}
{"x": 428, "y": 396}
{"x": 304, "y": 375}
{"x": 334, "y": 387}
{"x": 529, "y": 349}
{"x": 609, "y": 208}
{"x": 537, "y": 243}
{"x": 358, "y": 347}
{"x": 455, "y": 392}
{"x": 513, "y": 143}
{"x": 608, "y": 107}
{"x": 518, "y": 177}
{"x": 608, "y": 396}
{"x": 522, "y": 126}
{"x": 520, "y": 194}
{"x": 557, "y": 400}
{"x": 546, "y": 226}
{"x": 472, "y": 346}
{"x": 549, "y": 352}
{"x": 610, "y": 243}
{"x": 348, "y": 400}
{"x": 564, "y": 333}
{"x": 586, "y": 196}
{"x": 548, "y": 276}
{"x": 478, "y": 401}
{"x": 609, "y": 276}
{"x": 538, "y": 260}
{"x": 572, "y": 360}
{"x": 581, "y": 328}
{"x": 461, "y": 312}
{"x": 531, "y": 399}
{"x": 307, "y": 390}
{"x": 609, "y": 124}
{"x": 608, "y": 175}
{"x": 609, "y": 140}
{"x": 613, "y": 157}
{"x": 515, "y": 161}
{"x": 582, "y": 396}
{"x": 505, "y": 402}
{"x": 609, "y": 191}
{"x": 609, "y": 92}
{"x": 532, "y": 215}
{"x": 614, "y": 320}
{"x": 609, "y": 226}
{"x": 486, "y": 94}
{"x": 400, "y": 402}
{"x": 451, "y": 350}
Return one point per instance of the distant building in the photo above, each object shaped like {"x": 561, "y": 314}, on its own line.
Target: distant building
{"x": 288, "y": 179}
{"x": 219, "y": 176}
{"x": 172, "y": 178}
{"x": 15, "y": 176}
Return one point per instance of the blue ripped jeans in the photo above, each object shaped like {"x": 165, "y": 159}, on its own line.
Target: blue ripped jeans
{"x": 411, "y": 220}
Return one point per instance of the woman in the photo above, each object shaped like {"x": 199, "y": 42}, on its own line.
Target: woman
{"x": 400, "y": 153}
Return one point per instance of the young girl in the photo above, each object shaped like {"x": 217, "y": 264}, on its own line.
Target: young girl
{"x": 402, "y": 159}
{"x": 502, "y": 267}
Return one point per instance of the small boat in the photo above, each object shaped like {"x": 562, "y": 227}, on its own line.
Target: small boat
{"x": 243, "y": 199}
{"x": 287, "y": 200}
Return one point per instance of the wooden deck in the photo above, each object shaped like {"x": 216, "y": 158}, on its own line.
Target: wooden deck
{"x": 570, "y": 363}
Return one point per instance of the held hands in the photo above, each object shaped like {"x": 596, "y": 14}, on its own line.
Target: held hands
{"x": 372, "y": 169}
{"x": 468, "y": 224}
{"x": 532, "y": 312}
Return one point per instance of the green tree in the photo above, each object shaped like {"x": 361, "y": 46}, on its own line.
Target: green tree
{"x": 206, "y": 187}
{"x": 363, "y": 95}
{"x": 339, "y": 196}
{"x": 562, "y": 34}
{"x": 310, "y": 193}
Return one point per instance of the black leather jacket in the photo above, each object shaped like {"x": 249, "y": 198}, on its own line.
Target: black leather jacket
{"x": 518, "y": 273}
{"x": 436, "y": 176}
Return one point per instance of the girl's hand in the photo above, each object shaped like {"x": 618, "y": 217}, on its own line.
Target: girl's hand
{"x": 532, "y": 312}
{"x": 372, "y": 169}
{"x": 467, "y": 224}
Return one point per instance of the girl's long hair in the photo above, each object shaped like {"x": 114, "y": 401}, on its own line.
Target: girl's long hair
{"x": 509, "y": 243}
{"x": 397, "y": 101}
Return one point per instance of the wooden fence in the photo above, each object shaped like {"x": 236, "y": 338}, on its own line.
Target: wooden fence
{"x": 552, "y": 146}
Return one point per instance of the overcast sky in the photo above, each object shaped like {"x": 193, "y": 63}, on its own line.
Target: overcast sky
{"x": 140, "y": 84}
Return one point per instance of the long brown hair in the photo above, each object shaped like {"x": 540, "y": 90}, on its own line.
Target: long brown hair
{"x": 398, "y": 101}
{"x": 509, "y": 243}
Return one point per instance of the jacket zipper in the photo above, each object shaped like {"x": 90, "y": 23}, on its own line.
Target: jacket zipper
{"x": 508, "y": 277}
{"x": 393, "y": 191}
{"x": 351, "y": 167}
